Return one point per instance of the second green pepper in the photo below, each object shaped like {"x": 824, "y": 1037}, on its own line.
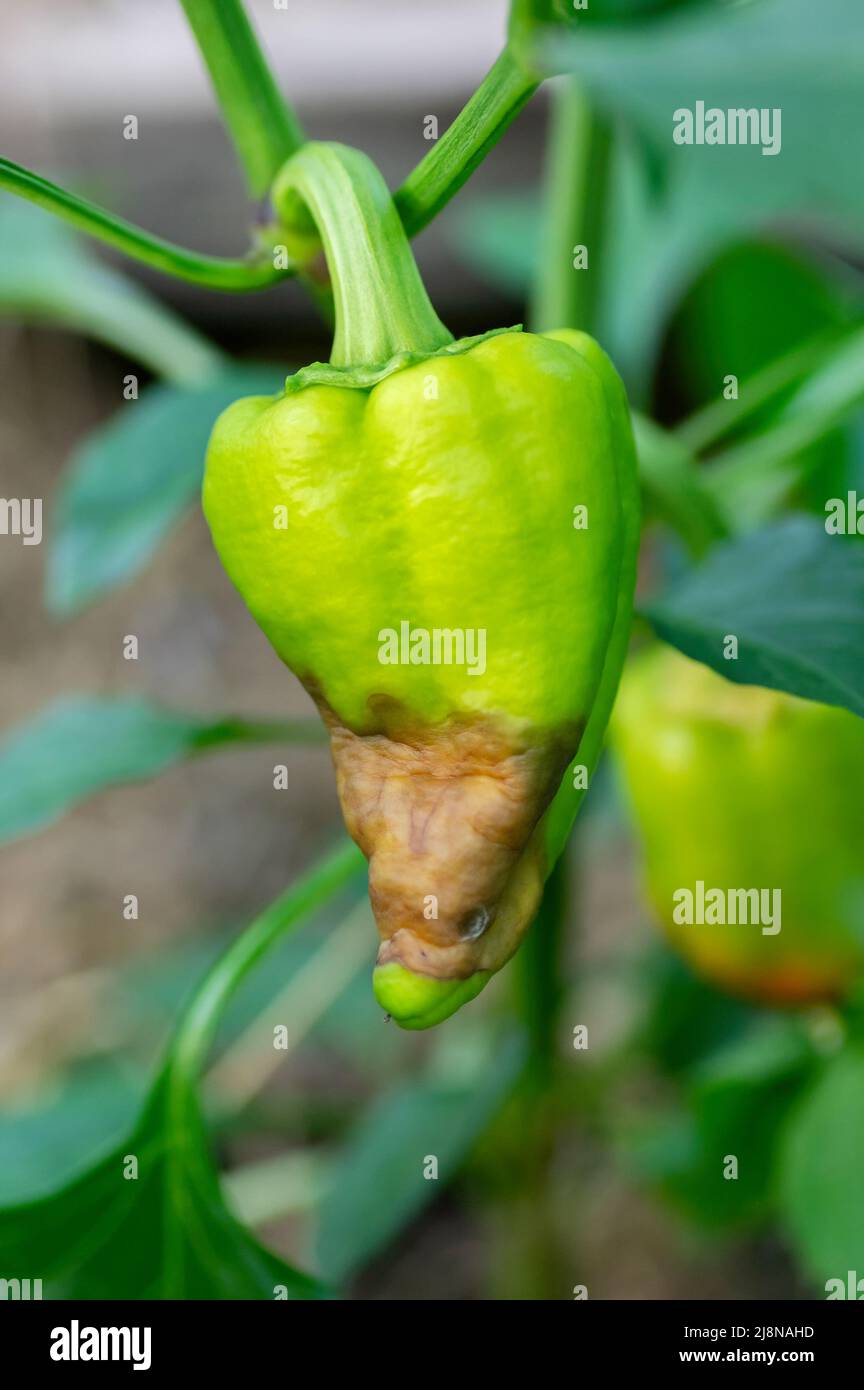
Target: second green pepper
{"x": 740, "y": 788}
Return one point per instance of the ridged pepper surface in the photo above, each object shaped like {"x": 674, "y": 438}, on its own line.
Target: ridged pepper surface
{"x": 438, "y": 537}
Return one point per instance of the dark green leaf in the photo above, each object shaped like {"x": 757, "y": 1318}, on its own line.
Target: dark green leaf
{"x": 794, "y": 598}
{"x": 132, "y": 479}
{"x": 750, "y": 480}
{"x": 777, "y": 315}
{"x": 80, "y": 745}
{"x": 764, "y": 55}
{"x": 379, "y": 1186}
{"x": 673, "y": 211}
{"x": 164, "y": 1233}
{"x": 716, "y": 1159}
{"x": 685, "y": 1020}
{"x": 821, "y": 1163}
{"x": 673, "y": 486}
{"x": 753, "y": 306}
{"x": 149, "y": 1219}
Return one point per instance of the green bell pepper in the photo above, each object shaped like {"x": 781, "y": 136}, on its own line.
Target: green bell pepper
{"x": 741, "y": 788}
{"x": 439, "y": 538}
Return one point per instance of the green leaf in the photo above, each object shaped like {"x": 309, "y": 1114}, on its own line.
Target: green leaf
{"x": 736, "y": 1104}
{"x": 527, "y": 17}
{"x": 755, "y": 304}
{"x": 750, "y": 480}
{"x": 821, "y": 1163}
{"x": 164, "y": 1233}
{"x": 149, "y": 1219}
{"x": 765, "y": 390}
{"x": 675, "y": 206}
{"x": 47, "y": 276}
{"x": 46, "y": 1140}
{"x": 762, "y": 55}
{"x": 770, "y": 1048}
{"x": 685, "y": 1020}
{"x": 379, "y": 1186}
{"x": 777, "y": 315}
{"x": 794, "y": 598}
{"x": 132, "y": 479}
{"x": 81, "y": 745}
{"x": 674, "y": 488}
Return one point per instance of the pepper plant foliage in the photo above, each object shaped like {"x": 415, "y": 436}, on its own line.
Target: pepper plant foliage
{"x": 721, "y": 482}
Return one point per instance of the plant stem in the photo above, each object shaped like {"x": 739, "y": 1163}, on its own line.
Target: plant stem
{"x": 333, "y": 196}
{"x": 529, "y": 1260}
{"x": 197, "y": 1027}
{"x": 267, "y": 136}
{"x": 247, "y": 1065}
{"x": 480, "y": 124}
{"x": 577, "y": 181}
{"x": 537, "y": 979}
{"x": 576, "y": 188}
{"x": 217, "y": 272}
{"x": 263, "y": 127}
{"x": 304, "y": 731}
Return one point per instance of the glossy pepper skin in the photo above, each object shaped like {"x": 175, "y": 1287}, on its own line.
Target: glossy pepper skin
{"x": 744, "y": 787}
{"x": 483, "y": 490}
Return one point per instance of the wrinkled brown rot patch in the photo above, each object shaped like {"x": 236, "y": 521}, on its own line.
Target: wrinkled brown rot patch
{"x": 444, "y": 815}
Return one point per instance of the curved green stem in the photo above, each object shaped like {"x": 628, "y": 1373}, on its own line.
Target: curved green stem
{"x": 267, "y": 135}
{"x": 217, "y": 272}
{"x": 333, "y": 196}
{"x": 263, "y": 127}
{"x": 197, "y": 1028}
{"x": 480, "y": 124}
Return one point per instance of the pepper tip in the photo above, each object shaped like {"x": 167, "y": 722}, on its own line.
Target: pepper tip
{"x": 416, "y": 1001}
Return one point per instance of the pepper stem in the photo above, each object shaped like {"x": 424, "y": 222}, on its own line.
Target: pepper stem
{"x": 333, "y": 197}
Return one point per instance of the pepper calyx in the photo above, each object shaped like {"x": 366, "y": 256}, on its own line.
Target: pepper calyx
{"x": 364, "y": 376}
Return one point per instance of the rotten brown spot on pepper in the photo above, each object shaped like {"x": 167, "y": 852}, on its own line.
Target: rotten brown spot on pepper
{"x": 446, "y": 812}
